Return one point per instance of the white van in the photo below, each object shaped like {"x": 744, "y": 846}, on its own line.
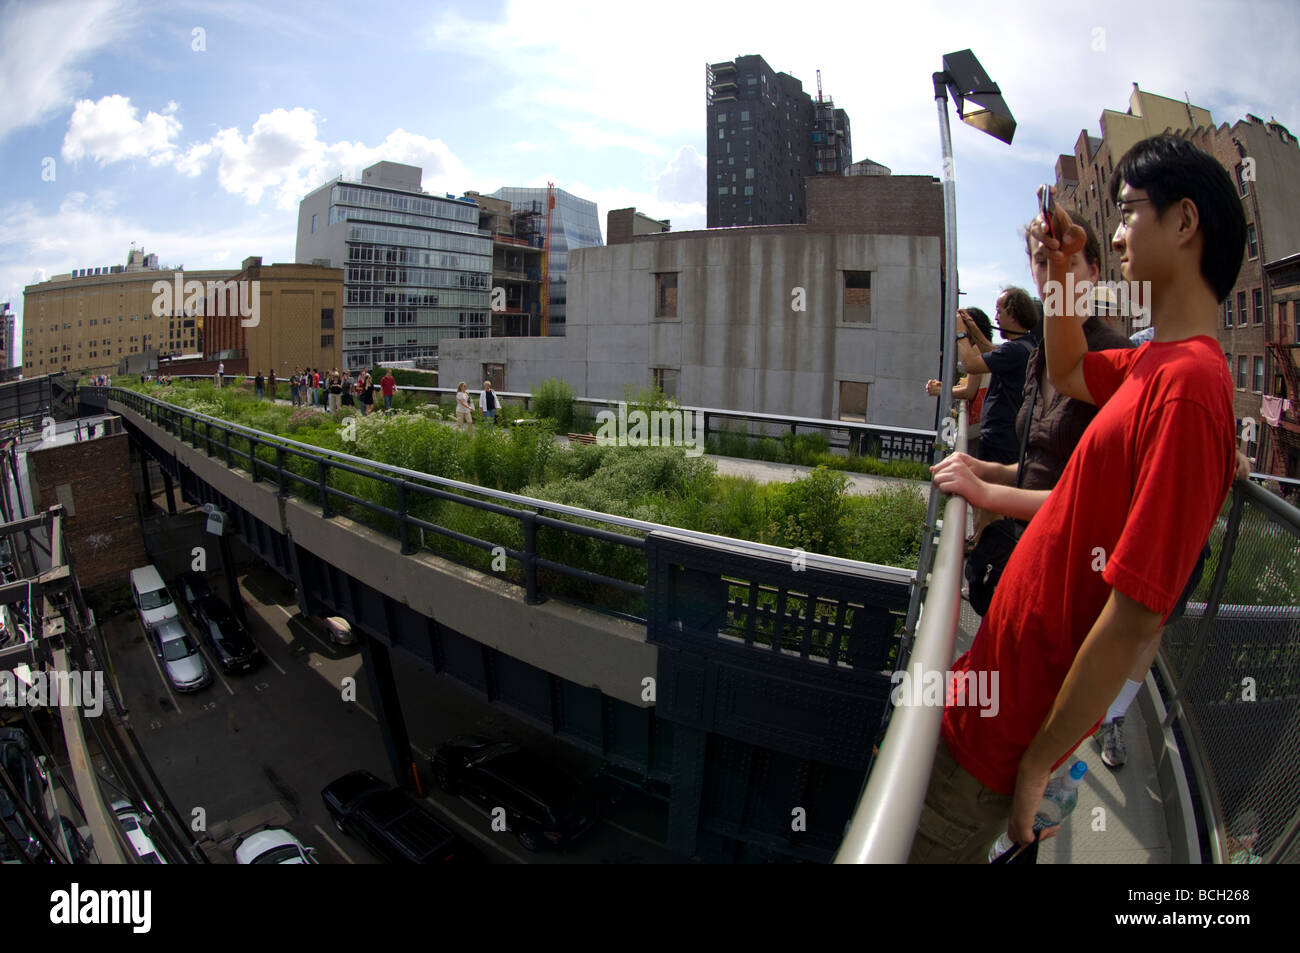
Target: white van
{"x": 151, "y": 597}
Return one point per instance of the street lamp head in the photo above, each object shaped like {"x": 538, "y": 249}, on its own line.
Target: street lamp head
{"x": 966, "y": 80}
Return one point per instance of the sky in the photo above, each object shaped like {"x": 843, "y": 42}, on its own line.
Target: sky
{"x": 194, "y": 128}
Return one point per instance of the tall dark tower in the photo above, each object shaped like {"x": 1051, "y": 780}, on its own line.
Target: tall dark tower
{"x": 760, "y": 135}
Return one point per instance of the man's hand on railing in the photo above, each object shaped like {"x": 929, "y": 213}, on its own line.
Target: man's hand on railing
{"x": 1243, "y": 466}
{"x": 962, "y": 475}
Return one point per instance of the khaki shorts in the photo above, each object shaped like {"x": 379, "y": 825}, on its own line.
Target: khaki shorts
{"x": 961, "y": 818}
{"x": 463, "y": 415}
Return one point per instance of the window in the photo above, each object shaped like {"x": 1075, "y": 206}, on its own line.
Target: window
{"x": 1252, "y": 241}
{"x": 1241, "y": 371}
{"x": 1257, "y": 378}
{"x": 1242, "y": 318}
{"x": 1241, "y": 178}
{"x": 1227, "y": 306}
{"x": 853, "y": 401}
{"x": 327, "y": 340}
{"x": 665, "y": 378}
{"x": 749, "y": 173}
{"x": 722, "y": 133}
{"x": 1258, "y": 301}
{"x": 666, "y": 295}
{"x": 326, "y": 318}
{"x": 744, "y": 115}
{"x": 496, "y": 373}
{"x": 857, "y": 297}
{"x": 313, "y": 224}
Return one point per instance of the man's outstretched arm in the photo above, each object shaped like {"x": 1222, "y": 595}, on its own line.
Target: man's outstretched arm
{"x": 1064, "y": 345}
{"x": 1098, "y": 673}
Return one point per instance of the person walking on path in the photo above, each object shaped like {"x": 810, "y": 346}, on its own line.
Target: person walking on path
{"x": 464, "y": 409}
{"x": 259, "y": 385}
{"x": 348, "y": 395}
{"x": 488, "y": 403}
{"x": 270, "y": 385}
{"x": 336, "y": 391}
{"x": 389, "y": 386}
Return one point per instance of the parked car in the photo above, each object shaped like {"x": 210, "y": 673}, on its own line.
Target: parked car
{"x": 233, "y": 647}
{"x": 152, "y": 600}
{"x": 333, "y": 629}
{"x": 180, "y": 657}
{"x": 274, "y": 846}
{"x": 132, "y": 824}
{"x": 544, "y": 807}
{"x": 27, "y": 776}
{"x": 192, "y": 586}
{"x": 392, "y": 823}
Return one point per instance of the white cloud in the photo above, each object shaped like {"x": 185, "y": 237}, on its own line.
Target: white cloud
{"x": 684, "y": 179}
{"x": 108, "y": 131}
{"x": 41, "y": 45}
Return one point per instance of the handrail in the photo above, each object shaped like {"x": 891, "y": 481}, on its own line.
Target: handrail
{"x": 887, "y": 815}
{"x": 886, "y": 573}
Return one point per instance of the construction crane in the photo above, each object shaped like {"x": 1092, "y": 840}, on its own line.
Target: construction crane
{"x": 546, "y": 261}
{"x": 819, "y": 86}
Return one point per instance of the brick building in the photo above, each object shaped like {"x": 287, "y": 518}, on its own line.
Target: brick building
{"x": 624, "y": 224}
{"x": 95, "y": 482}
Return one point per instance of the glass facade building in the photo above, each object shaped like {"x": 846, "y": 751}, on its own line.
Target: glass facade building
{"x": 575, "y": 224}
{"x": 417, "y": 269}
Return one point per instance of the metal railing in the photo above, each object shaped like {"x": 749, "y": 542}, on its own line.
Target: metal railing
{"x": 889, "y": 809}
{"x": 1230, "y": 673}
{"x": 316, "y": 478}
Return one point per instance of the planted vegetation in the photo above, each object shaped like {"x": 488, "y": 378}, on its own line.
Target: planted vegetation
{"x": 655, "y": 484}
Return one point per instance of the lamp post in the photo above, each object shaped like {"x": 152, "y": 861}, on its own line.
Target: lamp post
{"x": 890, "y": 804}
{"x": 964, "y": 77}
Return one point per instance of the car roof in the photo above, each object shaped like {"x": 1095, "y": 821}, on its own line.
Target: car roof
{"x": 351, "y": 786}
{"x": 255, "y": 845}
{"x": 146, "y": 579}
{"x": 170, "y": 629}
{"x": 214, "y": 607}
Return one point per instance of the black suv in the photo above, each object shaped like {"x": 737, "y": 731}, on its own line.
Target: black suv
{"x": 543, "y": 806}
{"x": 230, "y": 641}
{"x": 392, "y": 823}
{"x": 193, "y": 588}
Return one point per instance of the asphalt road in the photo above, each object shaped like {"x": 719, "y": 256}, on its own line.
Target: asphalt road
{"x": 257, "y": 748}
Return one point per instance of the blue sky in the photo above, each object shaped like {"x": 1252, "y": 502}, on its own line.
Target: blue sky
{"x": 194, "y": 128}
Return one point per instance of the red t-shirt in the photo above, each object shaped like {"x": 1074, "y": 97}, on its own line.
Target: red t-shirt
{"x": 1139, "y": 496}
{"x": 387, "y": 385}
{"x": 977, "y": 405}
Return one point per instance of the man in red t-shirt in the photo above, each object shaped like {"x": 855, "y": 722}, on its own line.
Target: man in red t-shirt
{"x": 1106, "y": 558}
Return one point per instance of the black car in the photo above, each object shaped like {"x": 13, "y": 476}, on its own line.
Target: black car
{"x": 393, "y": 824}
{"x": 543, "y": 806}
{"x": 192, "y": 587}
{"x": 16, "y": 757}
{"x": 230, "y": 641}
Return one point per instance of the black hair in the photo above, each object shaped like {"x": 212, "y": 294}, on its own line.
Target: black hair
{"x": 982, "y": 322}
{"x": 1021, "y": 306}
{"x": 1169, "y": 169}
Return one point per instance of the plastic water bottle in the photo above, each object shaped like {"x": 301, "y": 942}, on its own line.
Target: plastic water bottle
{"x": 1059, "y": 799}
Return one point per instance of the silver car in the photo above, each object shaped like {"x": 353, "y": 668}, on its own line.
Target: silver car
{"x": 180, "y": 657}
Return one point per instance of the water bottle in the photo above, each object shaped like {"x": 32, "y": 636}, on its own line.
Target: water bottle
{"x": 1059, "y": 799}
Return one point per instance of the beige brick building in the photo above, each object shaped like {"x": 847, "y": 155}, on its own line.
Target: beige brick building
{"x": 298, "y": 318}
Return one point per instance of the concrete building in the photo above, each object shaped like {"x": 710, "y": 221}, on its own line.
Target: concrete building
{"x": 92, "y": 318}
{"x": 838, "y": 318}
{"x": 297, "y": 323}
{"x": 8, "y": 359}
{"x": 416, "y": 267}
{"x": 517, "y": 238}
{"x": 624, "y": 224}
{"x": 765, "y": 136}
{"x": 574, "y": 224}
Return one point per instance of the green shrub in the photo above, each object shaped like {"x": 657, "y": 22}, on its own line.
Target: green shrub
{"x": 554, "y": 400}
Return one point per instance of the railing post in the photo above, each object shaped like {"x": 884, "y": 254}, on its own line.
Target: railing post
{"x": 324, "y": 488}
{"x": 403, "y": 531}
{"x": 226, "y": 431}
{"x": 252, "y": 457}
{"x": 279, "y": 470}
{"x": 207, "y": 437}
{"x": 531, "y": 596}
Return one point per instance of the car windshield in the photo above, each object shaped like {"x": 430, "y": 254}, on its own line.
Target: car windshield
{"x": 152, "y": 600}
{"x": 176, "y": 649}
{"x": 280, "y": 855}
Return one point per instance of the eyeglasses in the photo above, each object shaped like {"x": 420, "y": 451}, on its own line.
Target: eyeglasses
{"x": 1123, "y": 204}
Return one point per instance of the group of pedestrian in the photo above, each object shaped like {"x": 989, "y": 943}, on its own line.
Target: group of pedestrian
{"x": 1116, "y": 460}
{"x": 311, "y": 387}
{"x": 465, "y": 406}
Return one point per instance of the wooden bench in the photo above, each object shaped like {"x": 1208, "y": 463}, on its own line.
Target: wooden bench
{"x": 582, "y": 438}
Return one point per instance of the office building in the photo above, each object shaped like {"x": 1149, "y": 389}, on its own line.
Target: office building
{"x": 416, "y": 268}
{"x": 517, "y": 239}
{"x": 574, "y": 224}
{"x": 765, "y": 137}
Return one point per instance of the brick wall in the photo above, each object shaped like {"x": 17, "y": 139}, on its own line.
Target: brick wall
{"x": 102, "y": 535}
{"x": 618, "y": 226}
{"x": 876, "y": 204}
